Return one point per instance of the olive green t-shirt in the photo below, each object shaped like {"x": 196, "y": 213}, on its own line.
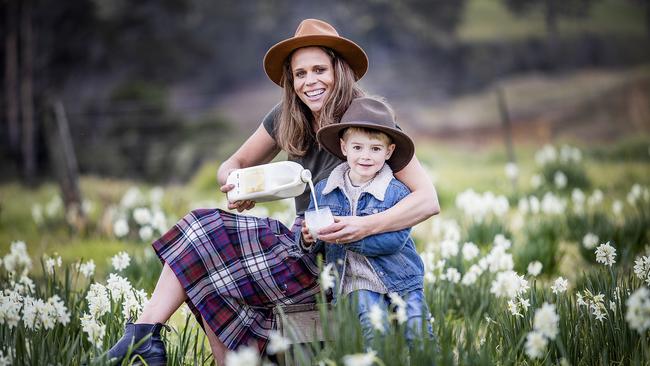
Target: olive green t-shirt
{"x": 319, "y": 161}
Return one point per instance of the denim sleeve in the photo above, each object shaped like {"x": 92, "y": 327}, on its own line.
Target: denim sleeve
{"x": 381, "y": 244}
{"x": 384, "y": 243}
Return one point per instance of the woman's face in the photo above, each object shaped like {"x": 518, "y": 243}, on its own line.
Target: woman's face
{"x": 313, "y": 77}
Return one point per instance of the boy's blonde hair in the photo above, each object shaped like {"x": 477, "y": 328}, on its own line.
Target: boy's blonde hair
{"x": 371, "y": 133}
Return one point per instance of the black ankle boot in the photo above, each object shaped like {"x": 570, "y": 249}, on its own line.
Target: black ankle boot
{"x": 152, "y": 350}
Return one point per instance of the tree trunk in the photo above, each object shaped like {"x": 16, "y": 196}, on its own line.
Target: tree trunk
{"x": 550, "y": 18}
{"x": 11, "y": 77}
{"x": 27, "y": 93}
{"x": 505, "y": 124}
{"x": 507, "y": 130}
{"x": 647, "y": 17}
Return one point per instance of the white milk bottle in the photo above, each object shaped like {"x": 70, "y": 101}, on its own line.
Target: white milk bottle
{"x": 268, "y": 182}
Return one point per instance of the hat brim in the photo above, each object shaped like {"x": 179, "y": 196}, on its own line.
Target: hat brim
{"x": 348, "y": 50}
{"x": 329, "y": 138}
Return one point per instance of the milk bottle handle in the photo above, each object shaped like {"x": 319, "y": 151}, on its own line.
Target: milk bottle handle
{"x": 305, "y": 175}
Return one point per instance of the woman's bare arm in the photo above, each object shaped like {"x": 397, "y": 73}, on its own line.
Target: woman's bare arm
{"x": 418, "y": 206}
{"x": 259, "y": 148}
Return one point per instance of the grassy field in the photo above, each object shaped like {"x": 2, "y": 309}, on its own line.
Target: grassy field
{"x": 484, "y": 21}
{"x": 453, "y": 168}
{"x": 498, "y": 314}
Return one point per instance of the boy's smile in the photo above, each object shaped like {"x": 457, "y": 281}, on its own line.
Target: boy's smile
{"x": 365, "y": 155}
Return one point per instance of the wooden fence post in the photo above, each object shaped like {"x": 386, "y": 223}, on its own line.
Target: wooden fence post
{"x": 507, "y": 130}
{"x": 64, "y": 164}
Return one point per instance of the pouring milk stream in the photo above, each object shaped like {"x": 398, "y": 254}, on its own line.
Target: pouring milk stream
{"x": 275, "y": 181}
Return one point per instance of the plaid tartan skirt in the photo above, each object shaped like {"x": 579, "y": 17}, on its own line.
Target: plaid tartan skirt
{"x": 235, "y": 269}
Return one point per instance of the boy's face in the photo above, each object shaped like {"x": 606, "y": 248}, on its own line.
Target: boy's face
{"x": 365, "y": 155}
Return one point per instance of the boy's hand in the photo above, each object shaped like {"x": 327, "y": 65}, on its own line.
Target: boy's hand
{"x": 306, "y": 236}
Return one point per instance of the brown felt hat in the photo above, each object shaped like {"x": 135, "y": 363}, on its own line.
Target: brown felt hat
{"x": 314, "y": 32}
{"x": 372, "y": 114}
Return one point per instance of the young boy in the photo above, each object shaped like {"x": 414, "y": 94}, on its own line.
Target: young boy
{"x": 378, "y": 266}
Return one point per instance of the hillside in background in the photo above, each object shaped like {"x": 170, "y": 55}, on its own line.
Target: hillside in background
{"x": 585, "y": 106}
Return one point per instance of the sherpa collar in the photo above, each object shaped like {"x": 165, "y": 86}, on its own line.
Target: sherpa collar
{"x": 376, "y": 188}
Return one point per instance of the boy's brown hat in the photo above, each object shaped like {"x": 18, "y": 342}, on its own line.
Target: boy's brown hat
{"x": 375, "y": 115}
{"x": 314, "y": 32}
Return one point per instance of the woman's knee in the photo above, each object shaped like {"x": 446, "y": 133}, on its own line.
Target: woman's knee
{"x": 215, "y": 342}
{"x": 200, "y": 212}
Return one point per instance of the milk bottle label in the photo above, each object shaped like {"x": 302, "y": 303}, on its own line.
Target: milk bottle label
{"x": 252, "y": 180}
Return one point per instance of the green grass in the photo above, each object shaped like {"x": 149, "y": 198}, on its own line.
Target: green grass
{"x": 484, "y": 21}
{"x": 488, "y": 20}
{"x": 453, "y": 168}
{"x": 460, "y": 311}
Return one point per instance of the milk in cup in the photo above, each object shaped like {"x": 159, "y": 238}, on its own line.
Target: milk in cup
{"x": 318, "y": 219}
{"x": 268, "y": 182}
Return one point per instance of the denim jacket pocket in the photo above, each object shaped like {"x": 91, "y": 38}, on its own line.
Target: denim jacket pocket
{"x": 370, "y": 210}
{"x": 337, "y": 209}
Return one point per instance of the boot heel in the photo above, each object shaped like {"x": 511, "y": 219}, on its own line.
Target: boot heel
{"x": 150, "y": 347}
{"x": 151, "y": 362}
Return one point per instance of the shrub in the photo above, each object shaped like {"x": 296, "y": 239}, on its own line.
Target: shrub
{"x": 483, "y": 232}
{"x": 595, "y": 223}
{"x": 560, "y": 170}
{"x": 541, "y": 243}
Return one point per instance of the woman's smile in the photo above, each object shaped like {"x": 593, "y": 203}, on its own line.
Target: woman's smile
{"x": 315, "y": 94}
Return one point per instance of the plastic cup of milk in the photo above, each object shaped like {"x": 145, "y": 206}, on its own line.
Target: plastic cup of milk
{"x": 318, "y": 219}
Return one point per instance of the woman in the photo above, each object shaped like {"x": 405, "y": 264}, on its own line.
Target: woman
{"x": 232, "y": 269}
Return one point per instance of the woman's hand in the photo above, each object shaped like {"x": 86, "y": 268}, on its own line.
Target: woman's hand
{"x": 346, "y": 229}
{"x": 306, "y": 236}
{"x": 260, "y": 148}
{"x": 240, "y": 206}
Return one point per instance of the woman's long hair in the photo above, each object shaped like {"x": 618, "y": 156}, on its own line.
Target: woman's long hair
{"x": 294, "y": 131}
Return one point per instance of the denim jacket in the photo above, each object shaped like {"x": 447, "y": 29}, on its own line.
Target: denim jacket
{"x": 392, "y": 255}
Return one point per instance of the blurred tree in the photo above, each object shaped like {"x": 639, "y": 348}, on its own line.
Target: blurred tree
{"x": 29, "y": 128}
{"x": 28, "y": 61}
{"x": 645, "y": 4}
{"x": 47, "y": 48}
{"x": 552, "y": 9}
{"x": 11, "y": 76}
{"x": 147, "y": 39}
{"x": 406, "y": 24}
